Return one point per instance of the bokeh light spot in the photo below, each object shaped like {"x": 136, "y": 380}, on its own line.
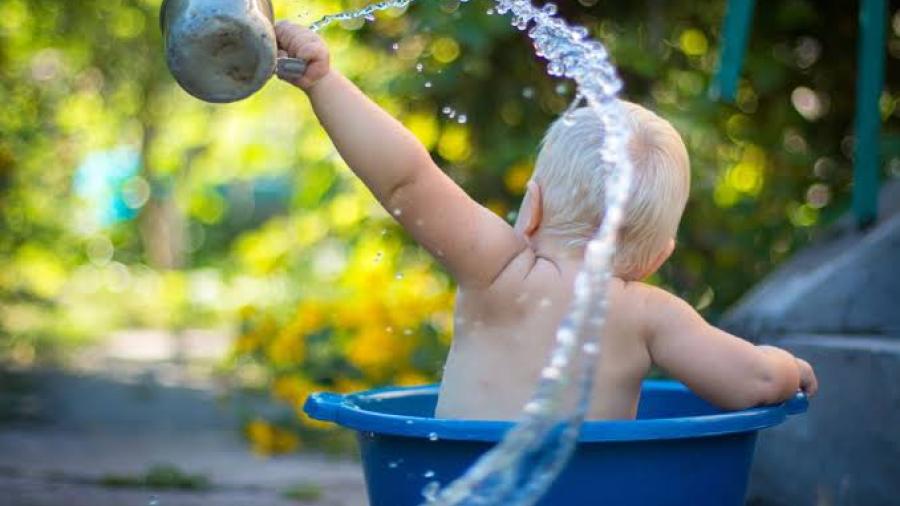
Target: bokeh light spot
{"x": 693, "y": 43}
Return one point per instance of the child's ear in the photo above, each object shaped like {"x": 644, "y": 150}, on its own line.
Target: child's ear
{"x": 663, "y": 256}
{"x": 532, "y": 212}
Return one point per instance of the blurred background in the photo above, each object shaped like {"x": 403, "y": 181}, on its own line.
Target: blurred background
{"x": 153, "y": 244}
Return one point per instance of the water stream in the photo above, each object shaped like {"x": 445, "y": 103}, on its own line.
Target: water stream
{"x": 520, "y": 469}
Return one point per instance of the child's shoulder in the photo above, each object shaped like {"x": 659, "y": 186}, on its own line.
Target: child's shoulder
{"x": 642, "y": 305}
{"x": 647, "y": 296}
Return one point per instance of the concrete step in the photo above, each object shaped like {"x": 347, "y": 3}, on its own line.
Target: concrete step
{"x": 846, "y": 450}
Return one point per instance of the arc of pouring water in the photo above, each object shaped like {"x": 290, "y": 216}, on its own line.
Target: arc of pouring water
{"x": 520, "y": 469}
{"x": 525, "y": 448}
{"x": 366, "y": 12}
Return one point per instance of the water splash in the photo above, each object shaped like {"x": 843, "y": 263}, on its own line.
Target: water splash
{"x": 367, "y": 13}
{"x": 520, "y": 469}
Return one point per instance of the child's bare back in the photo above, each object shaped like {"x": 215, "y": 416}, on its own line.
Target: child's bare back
{"x": 503, "y": 337}
{"x": 516, "y": 282}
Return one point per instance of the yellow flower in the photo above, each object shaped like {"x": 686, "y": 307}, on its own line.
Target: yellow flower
{"x": 292, "y": 389}
{"x": 517, "y": 177}
{"x": 455, "y": 144}
{"x": 286, "y": 349}
{"x": 247, "y": 343}
{"x": 247, "y": 312}
{"x": 375, "y": 350}
{"x": 348, "y": 386}
{"x": 309, "y": 318}
{"x": 267, "y": 439}
{"x": 256, "y": 336}
{"x": 411, "y": 378}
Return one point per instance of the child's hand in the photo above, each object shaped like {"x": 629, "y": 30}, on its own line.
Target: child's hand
{"x": 298, "y": 42}
{"x": 808, "y": 382}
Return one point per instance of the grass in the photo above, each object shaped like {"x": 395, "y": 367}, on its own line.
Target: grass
{"x": 305, "y": 492}
{"x": 160, "y": 477}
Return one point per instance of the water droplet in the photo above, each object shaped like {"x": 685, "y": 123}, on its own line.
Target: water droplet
{"x": 420, "y": 67}
{"x": 428, "y": 474}
{"x": 154, "y": 501}
{"x": 550, "y": 373}
{"x": 395, "y": 46}
{"x": 463, "y": 119}
{"x": 432, "y": 436}
{"x": 565, "y": 335}
{"x": 534, "y": 407}
{"x": 398, "y": 212}
{"x": 528, "y": 92}
{"x": 398, "y": 276}
{"x": 428, "y": 84}
{"x": 393, "y": 465}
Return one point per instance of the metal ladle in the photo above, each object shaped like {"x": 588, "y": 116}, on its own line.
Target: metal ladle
{"x": 223, "y": 50}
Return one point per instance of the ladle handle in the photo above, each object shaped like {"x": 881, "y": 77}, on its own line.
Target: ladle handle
{"x": 290, "y": 68}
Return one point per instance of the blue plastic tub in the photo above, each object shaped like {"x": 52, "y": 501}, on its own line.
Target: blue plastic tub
{"x": 681, "y": 451}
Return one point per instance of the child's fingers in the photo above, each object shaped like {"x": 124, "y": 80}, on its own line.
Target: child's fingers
{"x": 301, "y": 43}
{"x": 290, "y": 36}
{"x": 808, "y": 381}
{"x": 311, "y": 52}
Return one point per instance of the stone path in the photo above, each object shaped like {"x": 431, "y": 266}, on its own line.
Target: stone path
{"x": 138, "y": 401}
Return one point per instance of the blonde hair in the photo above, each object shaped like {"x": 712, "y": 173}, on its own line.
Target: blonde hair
{"x": 568, "y": 171}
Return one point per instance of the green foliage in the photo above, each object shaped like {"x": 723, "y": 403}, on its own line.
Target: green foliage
{"x": 160, "y": 477}
{"x": 307, "y": 492}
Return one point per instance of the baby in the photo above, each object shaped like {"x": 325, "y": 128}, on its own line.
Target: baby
{"x": 515, "y": 282}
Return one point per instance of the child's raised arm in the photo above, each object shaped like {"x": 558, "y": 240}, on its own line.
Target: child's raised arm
{"x": 471, "y": 241}
{"x": 723, "y": 369}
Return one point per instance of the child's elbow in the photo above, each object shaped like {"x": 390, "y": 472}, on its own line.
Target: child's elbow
{"x": 777, "y": 384}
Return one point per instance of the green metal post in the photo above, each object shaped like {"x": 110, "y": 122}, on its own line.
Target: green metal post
{"x": 735, "y": 33}
{"x": 870, "y": 82}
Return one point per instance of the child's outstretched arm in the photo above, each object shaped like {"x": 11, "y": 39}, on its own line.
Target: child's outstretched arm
{"x": 471, "y": 241}
{"x": 723, "y": 369}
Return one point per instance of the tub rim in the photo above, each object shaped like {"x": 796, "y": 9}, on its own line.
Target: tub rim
{"x": 343, "y": 411}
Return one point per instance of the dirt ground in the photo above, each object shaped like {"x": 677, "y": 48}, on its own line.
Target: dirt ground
{"x": 88, "y": 434}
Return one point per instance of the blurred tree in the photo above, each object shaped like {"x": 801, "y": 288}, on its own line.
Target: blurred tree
{"x": 195, "y": 210}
